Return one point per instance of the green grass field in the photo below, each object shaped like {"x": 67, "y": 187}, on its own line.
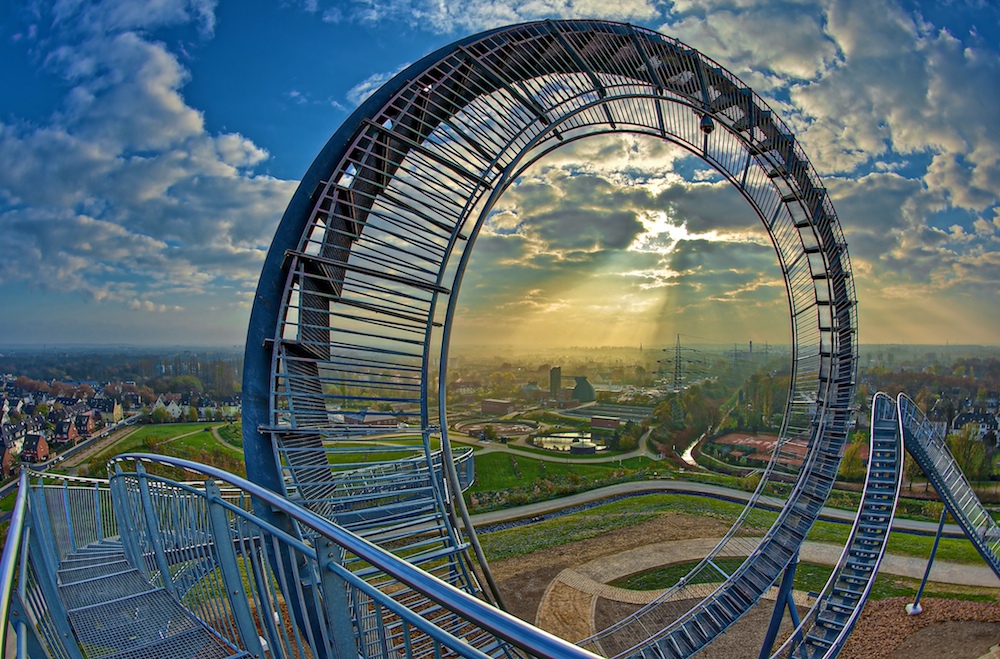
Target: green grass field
{"x": 232, "y": 434}
{"x": 637, "y": 510}
{"x": 497, "y": 471}
{"x": 809, "y": 577}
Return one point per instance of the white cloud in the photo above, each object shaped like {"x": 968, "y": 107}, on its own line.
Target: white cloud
{"x": 123, "y": 195}
{"x": 152, "y": 307}
{"x": 476, "y": 15}
{"x": 361, "y": 91}
{"x": 746, "y": 40}
{"x": 116, "y": 15}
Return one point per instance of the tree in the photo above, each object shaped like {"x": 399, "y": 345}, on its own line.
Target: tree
{"x": 192, "y": 414}
{"x": 852, "y": 466}
{"x": 146, "y": 395}
{"x": 912, "y": 470}
{"x": 970, "y": 453}
{"x": 160, "y": 415}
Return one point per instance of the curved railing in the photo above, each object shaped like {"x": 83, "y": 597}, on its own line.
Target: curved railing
{"x": 929, "y": 449}
{"x": 337, "y": 605}
{"x": 825, "y": 629}
{"x": 11, "y": 554}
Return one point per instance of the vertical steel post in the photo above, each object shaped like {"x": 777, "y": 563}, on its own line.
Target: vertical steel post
{"x": 153, "y": 529}
{"x": 229, "y": 565}
{"x": 69, "y": 517}
{"x": 338, "y": 610}
{"x": 28, "y": 642}
{"x": 915, "y": 608}
{"x": 45, "y": 549}
{"x": 126, "y": 530}
{"x": 97, "y": 512}
{"x": 784, "y": 599}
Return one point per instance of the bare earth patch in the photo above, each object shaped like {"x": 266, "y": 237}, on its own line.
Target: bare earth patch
{"x": 523, "y": 580}
{"x": 947, "y": 629}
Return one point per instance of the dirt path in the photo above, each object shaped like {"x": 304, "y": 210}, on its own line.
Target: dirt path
{"x": 218, "y": 438}
{"x": 946, "y": 629}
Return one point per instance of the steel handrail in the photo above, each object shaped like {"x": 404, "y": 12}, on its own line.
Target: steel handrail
{"x": 930, "y": 450}
{"x": 518, "y": 633}
{"x": 11, "y": 551}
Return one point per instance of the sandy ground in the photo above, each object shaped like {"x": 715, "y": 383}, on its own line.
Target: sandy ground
{"x": 946, "y": 629}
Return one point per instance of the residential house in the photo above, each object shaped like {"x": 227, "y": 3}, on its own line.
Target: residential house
{"x": 13, "y": 435}
{"x": 86, "y": 423}
{"x": 36, "y": 448}
{"x": 983, "y": 423}
{"x": 937, "y": 419}
{"x": 111, "y": 410}
{"x": 7, "y": 462}
{"x": 171, "y": 403}
{"x": 66, "y": 431}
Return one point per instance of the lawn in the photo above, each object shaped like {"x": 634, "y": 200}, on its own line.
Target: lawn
{"x": 809, "y": 577}
{"x": 636, "y": 510}
{"x": 232, "y": 434}
{"x": 201, "y": 441}
{"x": 149, "y": 436}
{"x": 502, "y": 471}
{"x": 168, "y": 439}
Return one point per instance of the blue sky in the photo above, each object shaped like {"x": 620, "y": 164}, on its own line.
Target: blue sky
{"x": 147, "y": 151}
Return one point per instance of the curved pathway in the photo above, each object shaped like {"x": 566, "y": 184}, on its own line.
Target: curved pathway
{"x": 685, "y": 487}
{"x": 568, "y": 606}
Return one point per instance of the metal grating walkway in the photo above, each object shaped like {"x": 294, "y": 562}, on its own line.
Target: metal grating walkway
{"x": 115, "y": 612}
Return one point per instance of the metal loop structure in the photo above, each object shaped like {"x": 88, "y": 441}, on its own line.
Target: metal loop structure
{"x": 359, "y": 290}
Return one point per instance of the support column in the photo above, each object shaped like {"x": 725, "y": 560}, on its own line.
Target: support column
{"x": 915, "y": 608}
{"x": 784, "y": 599}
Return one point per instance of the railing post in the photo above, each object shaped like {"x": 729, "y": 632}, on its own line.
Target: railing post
{"x": 338, "y": 609}
{"x": 28, "y": 643}
{"x": 229, "y": 565}
{"x": 153, "y": 529}
{"x": 40, "y": 519}
{"x": 97, "y": 512}
{"x": 915, "y": 608}
{"x": 126, "y": 529}
{"x": 69, "y": 517}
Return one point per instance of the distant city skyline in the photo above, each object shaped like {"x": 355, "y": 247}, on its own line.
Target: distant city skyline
{"x": 148, "y": 149}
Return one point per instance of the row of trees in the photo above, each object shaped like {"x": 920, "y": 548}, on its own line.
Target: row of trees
{"x": 215, "y": 374}
{"x": 974, "y": 457}
{"x": 123, "y": 391}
